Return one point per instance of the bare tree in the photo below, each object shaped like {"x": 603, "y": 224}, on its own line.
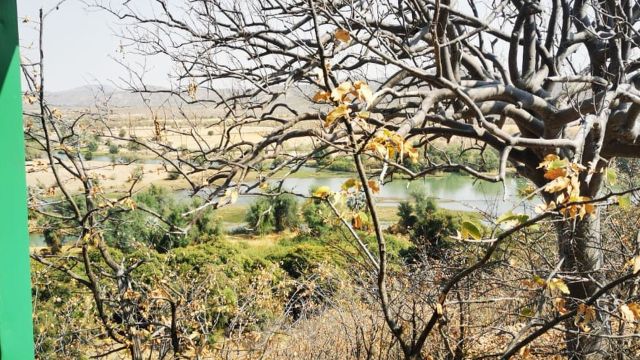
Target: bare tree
{"x": 550, "y": 85}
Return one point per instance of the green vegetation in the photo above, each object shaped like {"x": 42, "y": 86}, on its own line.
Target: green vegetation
{"x": 92, "y": 146}
{"x": 295, "y": 266}
{"x": 273, "y": 214}
{"x": 114, "y": 149}
{"x": 131, "y": 227}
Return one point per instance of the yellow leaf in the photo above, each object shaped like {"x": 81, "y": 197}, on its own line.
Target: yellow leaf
{"x": 558, "y": 284}
{"x": 322, "y": 192}
{"x": 31, "y": 99}
{"x": 192, "y": 90}
{"x": 338, "y": 93}
{"x": 363, "y": 114}
{"x": 377, "y": 147}
{"x": 356, "y": 222}
{"x": 128, "y": 202}
{"x": 624, "y": 201}
{"x": 350, "y": 183}
{"x": 635, "y": 309}
{"x": 557, "y": 185}
{"x": 411, "y": 152}
{"x": 542, "y": 208}
{"x": 363, "y": 91}
{"x": 343, "y": 35}
{"x": 342, "y": 110}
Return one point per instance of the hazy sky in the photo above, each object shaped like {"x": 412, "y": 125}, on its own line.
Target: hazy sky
{"x": 80, "y": 44}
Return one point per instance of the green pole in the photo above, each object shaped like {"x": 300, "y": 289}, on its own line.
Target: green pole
{"x": 16, "y": 327}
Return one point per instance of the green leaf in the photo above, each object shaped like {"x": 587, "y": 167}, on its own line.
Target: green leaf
{"x": 509, "y": 216}
{"x": 612, "y": 176}
{"x": 472, "y": 230}
{"x": 526, "y": 313}
{"x": 558, "y": 164}
{"x": 364, "y": 217}
{"x": 624, "y": 201}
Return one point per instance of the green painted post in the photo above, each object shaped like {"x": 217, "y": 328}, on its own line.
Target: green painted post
{"x": 16, "y": 327}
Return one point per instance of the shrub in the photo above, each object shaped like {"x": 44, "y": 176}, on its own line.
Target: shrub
{"x": 130, "y": 227}
{"x": 92, "y": 146}
{"x": 173, "y": 175}
{"x": 88, "y": 155}
{"x": 315, "y": 214}
{"x": 342, "y": 164}
{"x": 427, "y": 227}
{"x": 406, "y": 215}
{"x": 133, "y": 146}
{"x": 285, "y": 212}
{"x": 273, "y": 214}
{"x": 114, "y": 149}
{"x": 33, "y": 150}
{"x": 122, "y": 133}
{"x": 137, "y": 173}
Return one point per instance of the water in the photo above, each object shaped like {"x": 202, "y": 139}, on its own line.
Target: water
{"x": 451, "y": 191}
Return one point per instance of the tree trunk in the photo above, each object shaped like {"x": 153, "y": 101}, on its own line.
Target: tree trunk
{"x": 580, "y": 245}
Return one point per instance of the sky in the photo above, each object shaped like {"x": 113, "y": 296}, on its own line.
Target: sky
{"x": 79, "y": 45}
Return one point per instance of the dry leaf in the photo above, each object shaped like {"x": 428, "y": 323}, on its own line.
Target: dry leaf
{"x": 558, "y": 284}
{"x": 342, "y": 110}
{"x": 343, "y": 35}
{"x": 322, "y": 96}
{"x": 374, "y": 186}
{"x": 338, "y": 93}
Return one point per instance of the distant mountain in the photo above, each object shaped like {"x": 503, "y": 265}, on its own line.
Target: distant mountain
{"x": 122, "y": 102}
{"x": 92, "y": 95}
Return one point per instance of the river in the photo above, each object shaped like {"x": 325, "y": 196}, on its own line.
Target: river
{"x": 451, "y": 191}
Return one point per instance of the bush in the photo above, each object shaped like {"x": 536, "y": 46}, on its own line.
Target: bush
{"x": 173, "y": 175}
{"x": 114, "y": 149}
{"x": 33, "y": 151}
{"x": 315, "y": 214}
{"x": 406, "y": 215}
{"x": 342, "y": 164}
{"x": 427, "y": 227}
{"x": 88, "y": 155}
{"x": 133, "y": 146}
{"x": 285, "y": 212}
{"x": 92, "y": 146}
{"x": 122, "y": 133}
{"x": 137, "y": 173}
{"x": 130, "y": 227}
{"x": 273, "y": 214}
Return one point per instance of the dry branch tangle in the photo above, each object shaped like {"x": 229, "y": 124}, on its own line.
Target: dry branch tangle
{"x": 527, "y": 78}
